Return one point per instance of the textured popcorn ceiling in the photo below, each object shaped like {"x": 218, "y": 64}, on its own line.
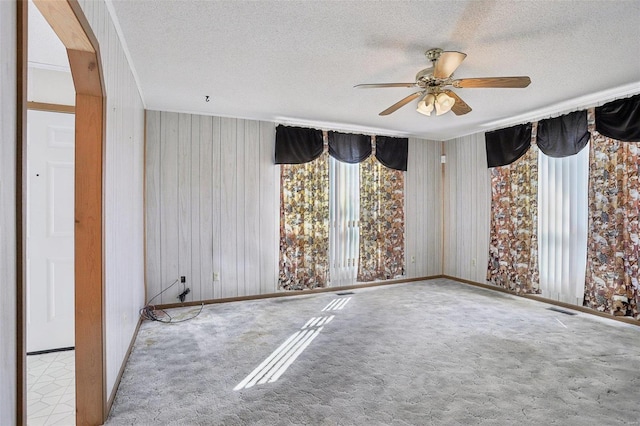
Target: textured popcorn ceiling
{"x": 296, "y": 62}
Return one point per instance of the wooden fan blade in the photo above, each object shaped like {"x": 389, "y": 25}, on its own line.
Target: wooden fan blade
{"x": 375, "y": 85}
{"x": 460, "y": 107}
{"x": 447, "y": 63}
{"x": 400, "y": 104}
{"x": 507, "y": 82}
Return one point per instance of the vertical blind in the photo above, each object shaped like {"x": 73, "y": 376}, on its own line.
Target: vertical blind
{"x": 344, "y": 213}
{"x": 562, "y": 225}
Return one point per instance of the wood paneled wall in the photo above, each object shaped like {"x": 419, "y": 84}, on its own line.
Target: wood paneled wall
{"x": 124, "y": 193}
{"x": 423, "y": 214}
{"x": 212, "y": 206}
{"x": 8, "y": 301}
{"x": 467, "y": 205}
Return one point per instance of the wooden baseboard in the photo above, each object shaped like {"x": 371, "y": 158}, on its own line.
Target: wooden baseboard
{"x": 112, "y": 396}
{"x": 401, "y": 281}
{"x": 478, "y": 284}
{"x": 296, "y": 292}
{"x": 582, "y": 309}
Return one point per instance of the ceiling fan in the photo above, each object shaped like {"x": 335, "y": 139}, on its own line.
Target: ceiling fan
{"x": 434, "y": 81}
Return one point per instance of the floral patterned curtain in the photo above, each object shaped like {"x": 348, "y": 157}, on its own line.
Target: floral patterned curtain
{"x": 513, "y": 250}
{"x": 304, "y": 225}
{"x": 381, "y": 222}
{"x": 613, "y": 247}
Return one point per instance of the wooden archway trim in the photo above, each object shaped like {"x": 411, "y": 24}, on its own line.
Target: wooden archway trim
{"x": 69, "y": 23}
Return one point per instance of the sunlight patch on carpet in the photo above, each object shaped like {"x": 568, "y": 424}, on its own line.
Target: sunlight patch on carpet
{"x": 279, "y": 361}
{"x": 336, "y": 304}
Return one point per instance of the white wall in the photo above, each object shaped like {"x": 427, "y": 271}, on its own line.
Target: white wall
{"x": 467, "y": 204}
{"x": 50, "y": 86}
{"x": 213, "y": 199}
{"x": 124, "y": 195}
{"x": 7, "y": 213}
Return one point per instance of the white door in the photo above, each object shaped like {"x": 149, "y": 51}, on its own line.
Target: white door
{"x": 50, "y": 224}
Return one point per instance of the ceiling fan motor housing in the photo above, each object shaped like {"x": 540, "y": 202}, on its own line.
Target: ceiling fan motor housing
{"x": 433, "y": 54}
{"x": 426, "y": 80}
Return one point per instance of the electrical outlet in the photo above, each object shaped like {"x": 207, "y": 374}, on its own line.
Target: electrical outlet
{"x": 216, "y": 276}
{"x": 473, "y": 262}
{"x": 413, "y": 259}
{"x": 183, "y": 279}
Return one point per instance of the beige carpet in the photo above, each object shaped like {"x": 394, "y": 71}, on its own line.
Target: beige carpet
{"x": 429, "y": 353}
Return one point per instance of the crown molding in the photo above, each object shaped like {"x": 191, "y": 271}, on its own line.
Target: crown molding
{"x": 565, "y": 107}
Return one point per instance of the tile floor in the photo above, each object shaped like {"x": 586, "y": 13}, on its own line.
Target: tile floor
{"x": 51, "y": 389}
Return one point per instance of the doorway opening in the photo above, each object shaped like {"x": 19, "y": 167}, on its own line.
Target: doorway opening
{"x": 82, "y": 225}
{"x": 50, "y": 267}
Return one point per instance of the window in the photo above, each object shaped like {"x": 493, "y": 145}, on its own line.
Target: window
{"x": 341, "y": 208}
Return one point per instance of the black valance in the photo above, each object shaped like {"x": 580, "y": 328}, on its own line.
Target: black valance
{"x": 349, "y": 148}
{"x": 505, "y": 146}
{"x": 392, "y": 152}
{"x": 297, "y": 145}
{"x": 563, "y": 136}
{"x": 620, "y": 120}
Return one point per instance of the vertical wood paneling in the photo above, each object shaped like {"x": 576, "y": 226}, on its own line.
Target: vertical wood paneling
{"x": 423, "y": 215}
{"x": 432, "y": 228}
{"x": 184, "y": 199}
{"x": 228, "y": 208}
{"x": 206, "y": 201}
{"x": 215, "y": 178}
{"x": 123, "y": 194}
{"x": 410, "y": 207}
{"x": 240, "y": 202}
{"x": 252, "y": 208}
{"x": 483, "y": 187}
{"x": 420, "y": 192}
{"x": 169, "y": 241}
{"x": 450, "y": 210}
{"x": 152, "y": 211}
{"x": 107, "y": 51}
{"x": 467, "y": 190}
{"x": 270, "y": 209}
{"x": 464, "y": 206}
{"x": 137, "y": 201}
{"x": 194, "y": 276}
{"x": 217, "y": 244}
{"x": 8, "y": 237}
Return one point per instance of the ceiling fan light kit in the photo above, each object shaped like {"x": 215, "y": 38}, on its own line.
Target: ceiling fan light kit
{"x": 444, "y": 103}
{"x": 426, "y": 104}
{"x": 441, "y": 102}
{"x": 434, "y": 81}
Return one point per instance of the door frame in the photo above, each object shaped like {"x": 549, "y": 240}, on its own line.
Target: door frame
{"x": 70, "y": 24}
